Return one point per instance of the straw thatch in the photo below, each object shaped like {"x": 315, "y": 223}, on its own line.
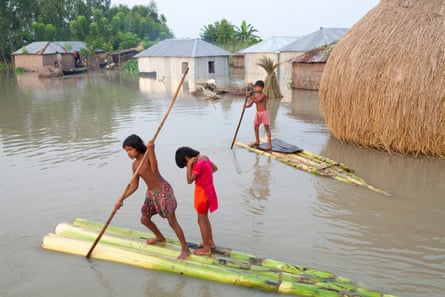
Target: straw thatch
{"x": 271, "y": 85}
{"x": 384, "y": 83}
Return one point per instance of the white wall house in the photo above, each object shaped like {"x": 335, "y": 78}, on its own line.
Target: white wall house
{"x": 252, "y": 55}
{"x": 169, "y": 59}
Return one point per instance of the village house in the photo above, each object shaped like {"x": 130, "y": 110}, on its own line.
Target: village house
{"x": 36, "y": 55}
{"x": 317, "y": 39}
{"x": 249, "y": 57}
{"x": 307, "y": 69}
{"x": 171, "y": 57}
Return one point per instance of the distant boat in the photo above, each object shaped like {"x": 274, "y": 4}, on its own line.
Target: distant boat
{"x": 75, "y": 70}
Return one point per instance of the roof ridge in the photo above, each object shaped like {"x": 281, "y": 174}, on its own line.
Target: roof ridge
{"x": 195, "y": 41}
{"x": 40, "y": 52}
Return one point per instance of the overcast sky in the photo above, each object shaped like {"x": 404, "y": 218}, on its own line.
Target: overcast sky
{"x": 271, "y": 18}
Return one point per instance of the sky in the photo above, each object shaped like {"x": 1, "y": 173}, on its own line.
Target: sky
{"x": 186, "y": 18}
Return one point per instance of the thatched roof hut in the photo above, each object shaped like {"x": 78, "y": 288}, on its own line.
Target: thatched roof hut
{"x": 383, "y": 85}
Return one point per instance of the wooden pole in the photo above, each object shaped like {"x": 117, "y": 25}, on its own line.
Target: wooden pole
{"x": 239, "y": 123}
{"x": 136, "y": 172}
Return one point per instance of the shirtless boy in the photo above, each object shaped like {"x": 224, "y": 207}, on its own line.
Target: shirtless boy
{"x": 160, "y": 198}
{"x": 262, "y": 115}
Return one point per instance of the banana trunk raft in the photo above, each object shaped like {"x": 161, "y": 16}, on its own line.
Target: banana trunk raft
{"x": 304, "y": 160}
{"x": 129, "y": 247}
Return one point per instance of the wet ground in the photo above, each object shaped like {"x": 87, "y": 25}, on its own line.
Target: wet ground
{"x": 61, "y": 158}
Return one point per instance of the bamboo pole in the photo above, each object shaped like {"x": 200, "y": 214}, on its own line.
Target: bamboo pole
{"x": 239, "y": 122}
{"x": 70, "y": 239}
{"x": 341, "y": 173}
{"x": 144, "y": 158}
{"x": 250, "y": 259}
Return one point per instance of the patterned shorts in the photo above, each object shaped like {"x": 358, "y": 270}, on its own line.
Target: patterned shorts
{"x": 160, "y": 201}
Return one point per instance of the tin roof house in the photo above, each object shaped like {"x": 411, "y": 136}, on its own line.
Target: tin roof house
{"x": 321, "y": 37}
{"x": 35, "y": 55}
{"x": 249, "y": 57}
{"x": 307, "y": 69}
{"x": 162, "y": 65}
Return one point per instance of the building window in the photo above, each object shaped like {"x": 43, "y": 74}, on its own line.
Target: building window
{"x": 185, "y": 65}
{"x": 211, "y": 66}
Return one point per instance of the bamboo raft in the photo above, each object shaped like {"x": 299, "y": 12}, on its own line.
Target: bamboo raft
{"x": 129, "y": 247}
{"x": 315, "y": 164}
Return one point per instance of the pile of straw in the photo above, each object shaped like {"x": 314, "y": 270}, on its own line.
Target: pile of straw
{"x": 271, "y": 85}
{"x": 384, "y": 83}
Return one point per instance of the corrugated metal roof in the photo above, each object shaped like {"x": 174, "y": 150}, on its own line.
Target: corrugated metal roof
{"x": 183, "y": 48}
{"x": 51, "y": 47}
{"x": 318, "y": 55}
{"x": 269, "y": 45}
{"x": 316, "y": 39}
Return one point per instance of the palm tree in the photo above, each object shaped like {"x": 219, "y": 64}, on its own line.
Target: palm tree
{"x": 271, "y": 85}
{"x": 246, "y": 34}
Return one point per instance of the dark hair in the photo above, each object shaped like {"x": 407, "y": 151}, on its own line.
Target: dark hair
{"x": 259, "y": 83}
{"x": 136, "y": 142}
{"x": 183, "y": 152}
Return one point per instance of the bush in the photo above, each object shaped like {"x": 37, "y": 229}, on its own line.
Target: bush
{"x": 131, "y": 66}
{"x": 19, "y": 70}
{"x": 4, "y": 66}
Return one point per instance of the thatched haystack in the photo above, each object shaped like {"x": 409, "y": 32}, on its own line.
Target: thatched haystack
{"x": 384, "y": 83}
{"x": 271, "y": 85}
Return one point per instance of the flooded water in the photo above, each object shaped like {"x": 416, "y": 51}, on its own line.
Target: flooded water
{"x": 61, "y": 158}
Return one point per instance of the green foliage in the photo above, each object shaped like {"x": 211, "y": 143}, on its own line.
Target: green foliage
{"x": 131, "y": 66}
{"x": 4, "y": 66}
{"x": 224, "y": 34}
{"x": 245, "y": 34}
{"x": 19, "y": 70}
{"x": 92, "y": 21}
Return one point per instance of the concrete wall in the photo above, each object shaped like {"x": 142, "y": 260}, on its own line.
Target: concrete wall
{"x": 172, "y": 67}
{"x": 307, "y": 75}
{"x": 169, "y": 71}
{"x": 252, "y": 70}
{"x": 285, "y": 68}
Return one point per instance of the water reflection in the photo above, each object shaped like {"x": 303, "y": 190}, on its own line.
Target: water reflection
{"x": 305, "y": 106}
{"x": 399, "y": 231}
{"x": 61, "y": 117}
{"x": 259, "y": 190}
{"x": 256, "y": 194}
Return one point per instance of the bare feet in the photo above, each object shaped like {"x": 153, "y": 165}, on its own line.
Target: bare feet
{"x": 254, "y": 144}
{"x": 205, "y": 251}
{"x": 155, "y": 240}
{"x": 212, "y": 245}
{"x": 184, "y": 254}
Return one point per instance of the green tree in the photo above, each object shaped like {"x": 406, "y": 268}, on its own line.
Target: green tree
{"x": 224, "y": 34}
{"x": 209, "y": 33}
{"x": 93, "y": 21}
{"x": 79, "y": 28}
{"x": 245, "y": 34}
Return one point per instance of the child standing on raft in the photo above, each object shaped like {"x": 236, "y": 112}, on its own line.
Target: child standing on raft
{"x": 159, "y": 199}
{"x": 200, "y": 170}
{"x": 262, "y": 115}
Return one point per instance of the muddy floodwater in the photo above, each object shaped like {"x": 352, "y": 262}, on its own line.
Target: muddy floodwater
{"x": 61, "y": 158}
